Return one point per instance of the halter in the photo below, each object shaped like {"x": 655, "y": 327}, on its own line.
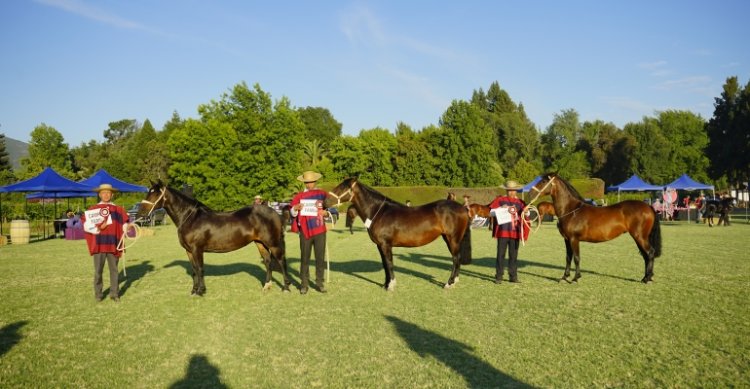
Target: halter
{"x": 153, "y": 205}
{"x": 541, "y": 190}
{"x": 347, "y": 192}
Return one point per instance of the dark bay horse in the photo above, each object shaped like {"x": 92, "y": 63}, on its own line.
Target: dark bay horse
{"x": 545, "y": 208}
{"x": 581, "y": 222}
{"x": 722, "y": 206}
{"x": 351, "y": 214}
{"x": 200, "y": 230}
{"x": 392, "y": 224}
{"x": 479, "y": 210}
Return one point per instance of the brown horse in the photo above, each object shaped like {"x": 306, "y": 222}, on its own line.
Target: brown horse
{"x": 479, "y": 210}
{"x": 545, "y": 208}
{"x": 578, "y": 221}
{"x": 200, "y": 230}
{"x": 392, "y": 224}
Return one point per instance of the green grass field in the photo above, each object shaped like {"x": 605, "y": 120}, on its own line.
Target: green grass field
{"x": 689, "y": 328}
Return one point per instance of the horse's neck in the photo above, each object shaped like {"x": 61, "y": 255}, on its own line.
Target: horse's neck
{"x": 179, "y": 208}
{"x": 368, "y": 203}
{"x": 563, "y": 201}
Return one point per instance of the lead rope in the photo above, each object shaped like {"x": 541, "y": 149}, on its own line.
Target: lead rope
{"x": 531, "y": 207}
{"x": 122, "y": 245}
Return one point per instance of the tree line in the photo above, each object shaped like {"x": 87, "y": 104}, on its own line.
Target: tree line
{"x": 246, "y": 143}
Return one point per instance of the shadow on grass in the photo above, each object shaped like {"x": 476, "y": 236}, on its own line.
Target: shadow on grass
{"x": 135, "y": 273}
{"x": 525, "y": 263}
{"x": 353, "y": 268}
{"x": 455, "y": 355}
{"x": 200, "y": 374}
{"x": 445, "y": 263}
{"x": 9, "y": 336}
{"x": 256, "y": 271}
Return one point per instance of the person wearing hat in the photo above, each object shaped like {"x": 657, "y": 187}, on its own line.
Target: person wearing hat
{"x": 308, "y": 213}
{"x": 508, "y": 229}
{"x": 258, "y": 200}
{"x": 105, "y": 223}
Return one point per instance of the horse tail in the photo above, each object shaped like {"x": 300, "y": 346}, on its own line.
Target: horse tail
{"x": 654, "y": 238}
{"x": 465, "y": 251}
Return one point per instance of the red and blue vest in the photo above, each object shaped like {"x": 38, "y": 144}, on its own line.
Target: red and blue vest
{"x": 310, "y": 225}
{"x": 510, "y": 230}
{"x": 107, "y": 239}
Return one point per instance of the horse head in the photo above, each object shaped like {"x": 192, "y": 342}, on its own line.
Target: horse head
{"x": 545, "y": 185}
{"x": 155, "y": 198}
{"x": 343, "y": 192}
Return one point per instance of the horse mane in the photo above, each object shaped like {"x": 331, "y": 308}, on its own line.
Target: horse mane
{"x": 570, "y": 187}
{"x": 373, "y": 192}
{"x": 190, "y": 200}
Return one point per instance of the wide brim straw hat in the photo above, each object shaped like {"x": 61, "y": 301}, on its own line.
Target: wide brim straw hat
{"x": 309, "y": 176}
{"x": 102, "y": 187}
{"x": 512, "y": 185}
{"x": 258, "y": 197}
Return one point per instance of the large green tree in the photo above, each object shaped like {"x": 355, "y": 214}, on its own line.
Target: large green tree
{"x": 319, "y": 125}
{"x": 560, "y": 144}
{"x": 47, "y": 148}
{"x": 378, "y": 156}
{"x": 729, "y": 134}
{"x": 470, "y": 146}
{"x": 243, "y": 145}
{"x": 6, "y": 170}
{"x": 652, "y": 151}
{"x": 687, "y": 139}
{"x": 518, "y": 145}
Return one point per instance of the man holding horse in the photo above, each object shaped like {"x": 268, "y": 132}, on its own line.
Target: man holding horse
{"x": 508, "y": 229}
{"x": 105, "y": 223}
{"x": 308, "y": 213}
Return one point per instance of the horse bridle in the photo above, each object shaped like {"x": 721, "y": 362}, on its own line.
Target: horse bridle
{"x": 153, "y": 205}
{"x": 349, "y": 192}
{"x": 551, "y": 179}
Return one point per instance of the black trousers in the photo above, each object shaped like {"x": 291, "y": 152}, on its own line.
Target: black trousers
{"x": 114, "y": 283}
{"x": 318, "y": 242}
{"x": 512, "y": 247}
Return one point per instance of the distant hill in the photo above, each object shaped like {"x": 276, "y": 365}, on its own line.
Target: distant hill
{"x": 16, "y": 150}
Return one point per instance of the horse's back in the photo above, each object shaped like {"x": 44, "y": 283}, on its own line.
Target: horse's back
{"x": 416, "y": 226}
{"x": 600, "y": 224}
{"x": 228, "y": 231}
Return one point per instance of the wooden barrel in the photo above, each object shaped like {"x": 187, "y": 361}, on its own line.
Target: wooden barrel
{"x": 19, "y": 232}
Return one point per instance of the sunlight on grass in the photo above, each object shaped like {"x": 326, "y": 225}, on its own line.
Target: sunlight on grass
{"x": 689, "y": 328}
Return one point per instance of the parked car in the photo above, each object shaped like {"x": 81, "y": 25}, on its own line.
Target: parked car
{"x": 156, "y": 218}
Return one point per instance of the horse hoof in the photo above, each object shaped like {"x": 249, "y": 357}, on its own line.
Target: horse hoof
{"x": 267, "y": 286}
{"x": 448, "y": 286}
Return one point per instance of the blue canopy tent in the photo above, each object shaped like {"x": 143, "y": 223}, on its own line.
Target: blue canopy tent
{"x": 527, "y": 188}
{"x": 48, "y": 181}
{"x": 102, "y": 177}
{"x": 687, "y": 183}
{"x": 531, "y": 184}
{"x": 634, "y": 184}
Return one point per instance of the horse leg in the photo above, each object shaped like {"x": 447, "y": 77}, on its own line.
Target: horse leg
{"x": 386, "y": 255}
{"x": 455, "y": 248}
{"x": 568, "y": 258}
{"x": 575, "y": 246}
{"x": 193, "y": 264}
{"x": 201, "y": 281}
{"x": 278, "y": 254}
{"x": 267, "y": 262}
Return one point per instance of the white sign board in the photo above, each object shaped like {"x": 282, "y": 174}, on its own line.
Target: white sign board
{"x": 95, "y": 217}
{"x": 309, "y": 207}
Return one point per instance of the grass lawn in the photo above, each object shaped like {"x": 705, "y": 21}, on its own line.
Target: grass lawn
{"x": 689, "y": 328}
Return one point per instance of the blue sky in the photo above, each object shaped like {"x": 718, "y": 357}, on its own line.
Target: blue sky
{"x": 77, "y": 65}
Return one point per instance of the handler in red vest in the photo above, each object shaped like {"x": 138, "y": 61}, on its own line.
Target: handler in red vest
{"x": 508, "y": 229}
{"x": 308, "y": 211}
{"x": 104, "y": 224}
